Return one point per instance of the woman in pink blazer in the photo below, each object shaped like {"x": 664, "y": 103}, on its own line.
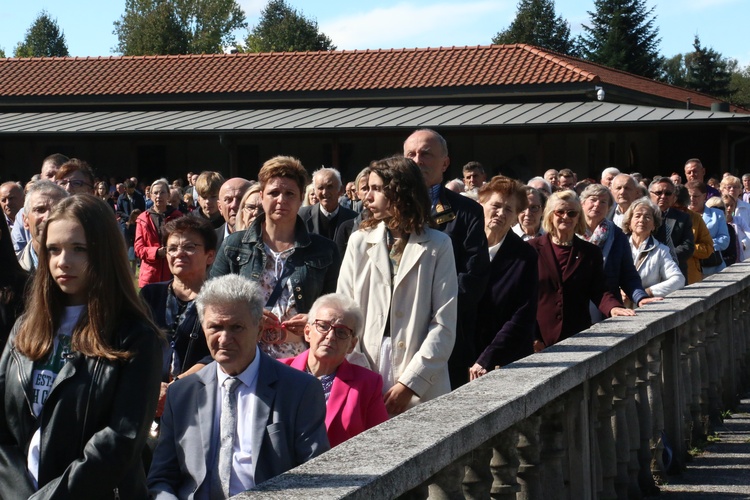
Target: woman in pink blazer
{"x": 354, "y": 395}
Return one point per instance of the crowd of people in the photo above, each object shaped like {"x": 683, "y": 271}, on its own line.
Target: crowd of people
{"x": 275, "y": 318}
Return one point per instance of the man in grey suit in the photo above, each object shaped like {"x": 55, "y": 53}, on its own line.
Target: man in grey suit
{"x": 325, "y": 217}
{"x": 242, "y": 419}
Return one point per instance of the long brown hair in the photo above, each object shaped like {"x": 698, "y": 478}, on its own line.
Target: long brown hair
{"x": 403, "y": 185}
{"x": 112, "y": 297}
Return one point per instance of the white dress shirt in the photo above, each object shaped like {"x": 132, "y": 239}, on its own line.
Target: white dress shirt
{"x": 241, "y": 478}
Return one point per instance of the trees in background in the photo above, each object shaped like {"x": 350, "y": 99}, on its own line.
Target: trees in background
{"x": 150, "y": 27}
{"x": 622, "y": 34}
{"x": 536, "y": 24}
{"x": 282, "y": 29}
{"x": 43, "y": 39}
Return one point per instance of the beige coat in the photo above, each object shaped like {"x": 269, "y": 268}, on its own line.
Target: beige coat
{"x": 421, "y": 300}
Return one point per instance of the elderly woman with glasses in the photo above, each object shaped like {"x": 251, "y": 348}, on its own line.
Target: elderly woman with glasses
{"x": 354, "y": 400}
{"x": 619, "y": 271}
{"x": 571, "y": 274}
{"x": 530, "y": 218}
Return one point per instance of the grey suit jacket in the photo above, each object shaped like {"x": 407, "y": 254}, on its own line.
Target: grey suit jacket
{"x": 289, "y": 429}
{"x": 309, "y": 216}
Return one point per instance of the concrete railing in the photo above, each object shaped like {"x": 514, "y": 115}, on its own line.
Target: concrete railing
{"x": 583, "y": 419}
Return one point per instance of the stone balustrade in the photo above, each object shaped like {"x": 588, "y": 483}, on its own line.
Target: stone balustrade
{"x": 587, "y": 418}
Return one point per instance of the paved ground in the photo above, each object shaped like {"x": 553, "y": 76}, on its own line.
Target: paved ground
{"x": 723, "y": 471}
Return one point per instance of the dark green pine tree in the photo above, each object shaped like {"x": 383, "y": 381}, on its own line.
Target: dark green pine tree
{"x": 282, "y": 29}
{"x": 536, "y": 24}
{"x": 43, "y": 39}
{"x": 708, "y": 71}
{"x": 623, "y": 35}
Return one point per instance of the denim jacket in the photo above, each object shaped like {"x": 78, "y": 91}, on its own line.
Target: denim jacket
{"x": 315, "y": 261}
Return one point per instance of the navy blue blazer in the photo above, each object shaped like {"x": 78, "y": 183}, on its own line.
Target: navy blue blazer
{"x": 506, "y": 316}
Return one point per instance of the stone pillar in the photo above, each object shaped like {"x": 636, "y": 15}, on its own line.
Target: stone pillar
{"x": 683, "y": 333}
{"x": 605, "y": 436}
{"x": 529, "y": 457}
{"x": 712, "y": 364}
{"x": 643, "y": 409}
{"x": 657, "y": 409}
{"x": 697, "y": 371}
{"x": 477, "y": 476}
{"x": 504, "y": 466}
{"x": 552, "y": 451}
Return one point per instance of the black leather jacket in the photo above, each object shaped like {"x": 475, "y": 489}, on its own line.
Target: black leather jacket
{"x": 94, "y": 422}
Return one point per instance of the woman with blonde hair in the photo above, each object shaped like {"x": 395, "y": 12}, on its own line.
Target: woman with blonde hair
{"x": 250, "y": 208}
{"x": 571, "y": 273}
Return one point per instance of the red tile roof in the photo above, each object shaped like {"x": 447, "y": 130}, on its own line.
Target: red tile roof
{"x": 467, "y": 67}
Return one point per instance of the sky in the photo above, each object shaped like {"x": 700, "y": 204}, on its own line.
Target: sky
{"x": 385, "y": 24}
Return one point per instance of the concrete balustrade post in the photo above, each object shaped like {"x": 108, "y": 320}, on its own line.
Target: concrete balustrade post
{"x": 645, "y": 424}
{"x": 552, "y": 450}
{"x": 504, "y": 466}
{"x": 727, "y": 370}
{"x": 605, "y": 436}
{"x": 673, "y": 398}
{"x": 620, "y": 429}
{"x": 477, "y": 480}
{"x": 713, "y": 363}
{"x": 683, "y": 333}
{"x": 529, "y": 457}
{"x": 698, "y": 381}
{"x": 656, "y": 405}
{"x": 579, "y": 441}
{"x": 634, "y": 431}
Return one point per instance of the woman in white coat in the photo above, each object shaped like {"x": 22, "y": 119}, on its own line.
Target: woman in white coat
{"x": 660, "y": 274}
{"x": 403, "y": 275}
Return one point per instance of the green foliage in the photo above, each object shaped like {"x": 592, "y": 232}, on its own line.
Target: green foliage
{"x": 150, "y": 27}
{"x": 43, "y": 39}
{"x": 283, "y": 29}
{"x": 705, "y": 70}
{"x": 536, "y": 24}
{"x": 623, "y": 35}
{"x": 2, "y": 53}
{"x": 739, "y": 86}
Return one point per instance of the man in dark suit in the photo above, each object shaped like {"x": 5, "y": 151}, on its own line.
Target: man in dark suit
{"x": 676, "y": 230}
{"x": 325, "y": 217}
{"x": 235, "y": 423}
{"x": 460, "y": 218}
{"x": 230, "y": 196}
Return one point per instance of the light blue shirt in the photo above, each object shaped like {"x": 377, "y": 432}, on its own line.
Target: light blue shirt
{"x": 717, "y": 227}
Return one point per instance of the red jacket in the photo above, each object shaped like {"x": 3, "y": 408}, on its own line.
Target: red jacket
{"x": 356, "y": 400}
{"x": 147, "y": 242}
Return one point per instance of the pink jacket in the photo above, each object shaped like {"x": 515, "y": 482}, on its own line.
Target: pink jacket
{"x": 356, "y": 400}
{"x": 147, "y": 242}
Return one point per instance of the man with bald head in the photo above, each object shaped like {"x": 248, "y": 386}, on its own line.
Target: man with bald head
{"x": 625, "y": 191}
{"x": 230, "y": 196}
{"x": 325, "y": 217}
{"x": 463, "y": 220}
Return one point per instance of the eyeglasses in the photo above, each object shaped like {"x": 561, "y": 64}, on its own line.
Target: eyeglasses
{"x": 73, "y": 183}
{"x": 533, "y": 208}
{"x": 342, "y": 332}
{"x": 252, "y": 208}
{"x": 662, "y": 193}
{"x": 188, "y": 249}
{"x": 572, "y": 214}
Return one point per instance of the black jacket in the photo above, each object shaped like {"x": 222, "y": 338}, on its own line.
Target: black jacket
{"x": 94, "y": 422}
{"x": 189, "y": 340}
